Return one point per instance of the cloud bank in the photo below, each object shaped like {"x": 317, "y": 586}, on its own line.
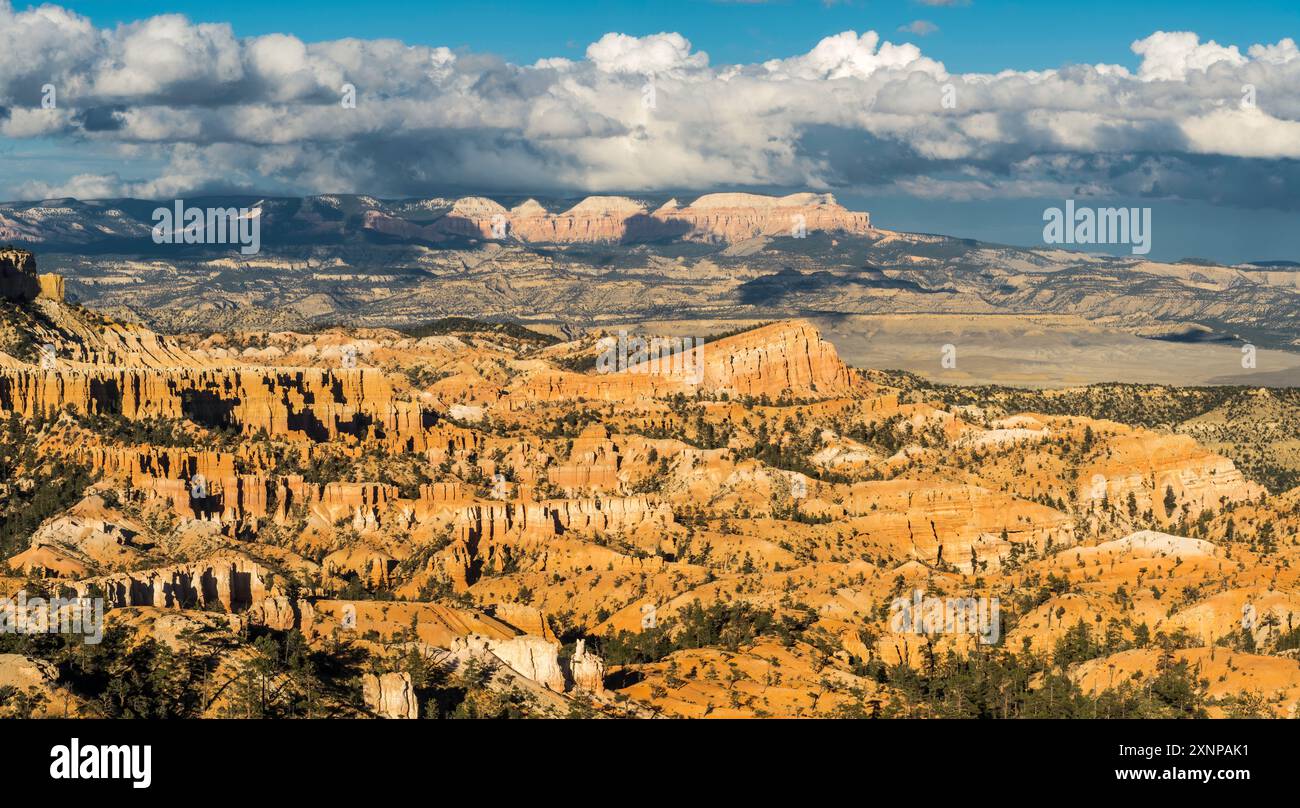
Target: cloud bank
{"x": 1196, "y": 120}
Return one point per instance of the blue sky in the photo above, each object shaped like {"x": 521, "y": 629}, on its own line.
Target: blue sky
{"x": 982, "y": 36}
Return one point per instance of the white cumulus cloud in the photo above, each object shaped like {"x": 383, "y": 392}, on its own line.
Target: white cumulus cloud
{"x": 199, "y": 109}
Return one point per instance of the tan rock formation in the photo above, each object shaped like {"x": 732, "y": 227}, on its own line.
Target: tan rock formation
{"x": 229, "y": 582}
{"x": 785, "y": 358}
{"x": 1149, "y": 465}
{"x": 32, "y": 678}
{"x": 593, "y": 462}
{"x": 304, "y": 404}
{"x": 390, "y": 695}
{"x": 1227, "y": 673}
{"x": 23, "y": 672}
{"x": 587, "y": 670}
{"x": 488, "y": 536}
{"x": 532, "y": 657}
{"x": 85, "y": 537}
{"x": 280, "y": 612}
{"x": 958, "y": 525}
{"x": 435, "y": 624}
{"x": 51, "y": 286}
{"x": 1263, "y": 614}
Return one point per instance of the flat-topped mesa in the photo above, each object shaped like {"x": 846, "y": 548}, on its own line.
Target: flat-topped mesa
{"x": 723, "y": 217}
{"x": 735, "y": 217}
{"x": 594, "y": 219}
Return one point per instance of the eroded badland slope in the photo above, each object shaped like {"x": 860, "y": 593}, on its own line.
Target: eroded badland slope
{"x": 479, "y": 522}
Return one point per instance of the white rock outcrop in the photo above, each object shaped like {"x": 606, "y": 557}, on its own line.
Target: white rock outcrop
{"x": 587, "y": 670}
{"x": 390, "y": 695}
